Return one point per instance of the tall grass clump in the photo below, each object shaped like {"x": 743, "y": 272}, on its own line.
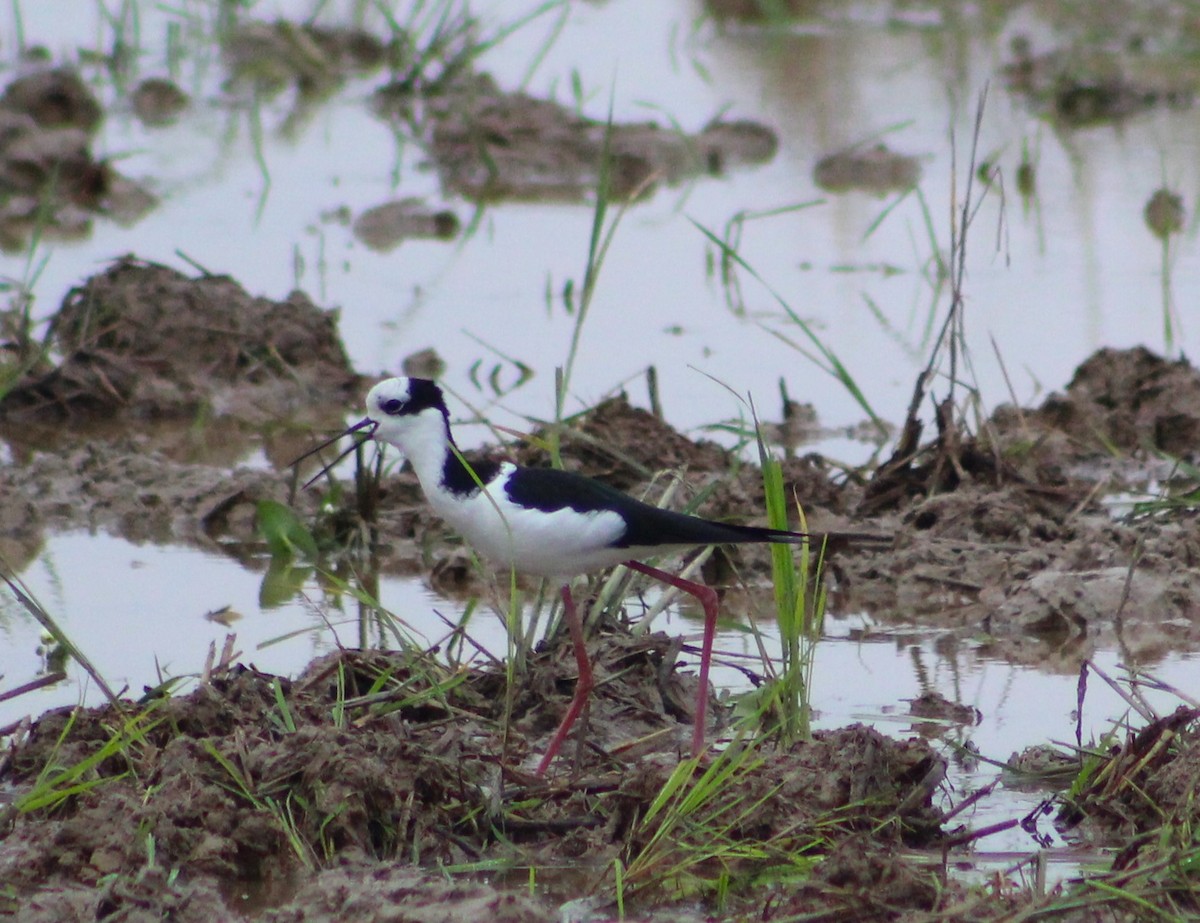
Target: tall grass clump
{"x": 800, "y": 596}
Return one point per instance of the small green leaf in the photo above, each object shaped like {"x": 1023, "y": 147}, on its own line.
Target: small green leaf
{"x": 284, "y": 533}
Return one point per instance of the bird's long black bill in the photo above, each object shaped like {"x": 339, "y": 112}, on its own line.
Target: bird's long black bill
{"x": 364, "y": 424}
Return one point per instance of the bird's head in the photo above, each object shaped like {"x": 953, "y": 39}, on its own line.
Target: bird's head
{"x": 409, "y": 413}
{"x": 400, "y": 408}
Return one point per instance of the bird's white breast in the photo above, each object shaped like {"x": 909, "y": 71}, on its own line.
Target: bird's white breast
{"x": 562, "y": 543}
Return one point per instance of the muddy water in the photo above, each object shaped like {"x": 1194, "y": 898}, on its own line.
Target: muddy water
{"x": 104, "y": 588}
{"x": 1079, "y": 242}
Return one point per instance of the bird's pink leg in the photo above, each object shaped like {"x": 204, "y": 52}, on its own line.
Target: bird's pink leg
{"x": 707, "y": 597}
{"x": 583, "y": 687}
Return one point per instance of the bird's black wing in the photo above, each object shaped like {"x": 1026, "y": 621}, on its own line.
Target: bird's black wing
{"x": 549, "y": 489}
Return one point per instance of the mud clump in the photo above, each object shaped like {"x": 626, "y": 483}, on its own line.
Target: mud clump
{"x": 384, "y": 227}
{"x": 491, "y": 145}
{"x": 1147, "y": 781}
{"x": 49, "y": 179}
{"x": 215, "y": 761}
{"x": 253, "y": 783}
{"x": 141, "y": 342}
{"x": 158, "y": 102}
{"x": 1006, "y": 531}
{"x": 1047, "y": 582}
{"x": 1140, "y": 797}
{"x": 314, "y": 60}
{"x": 624, "y": 446}
{"x": 1080, "y": 89}
{"x": 876, "y": 170}
{"x": 1130, "y": 399}
{"x": 1066, "y": 606}
{"x": 55, "y": 98}
{"x": 854, "y": 771}
{"x": 145, "y": 341}
{"x": 1126, "y": 399}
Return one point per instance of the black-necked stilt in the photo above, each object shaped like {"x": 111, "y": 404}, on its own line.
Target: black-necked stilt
{"x": 551, "y": 523}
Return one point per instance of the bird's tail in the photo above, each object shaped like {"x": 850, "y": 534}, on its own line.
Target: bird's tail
{"x": 649, "y": 526}
{"x": 829, "y": 541}
{"x": 844, "y": 541}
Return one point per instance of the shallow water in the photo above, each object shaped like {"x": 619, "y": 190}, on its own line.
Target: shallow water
{"x": 1049, "y": 278}
{"x": 124, "y": 608}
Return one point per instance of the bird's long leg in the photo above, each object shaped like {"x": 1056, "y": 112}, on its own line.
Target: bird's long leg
{"x": 707, "y": 597}
{"x": 583, "y": 687}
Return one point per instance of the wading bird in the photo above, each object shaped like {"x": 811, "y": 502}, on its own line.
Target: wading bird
{"x": 555, "y": 524}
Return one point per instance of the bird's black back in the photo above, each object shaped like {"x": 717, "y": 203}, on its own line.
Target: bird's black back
{"x": 549, "y": 489}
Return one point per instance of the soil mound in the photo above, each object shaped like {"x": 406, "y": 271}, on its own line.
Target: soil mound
{"x": 50, "y": 182}
{"x": 146, "y": 341}
{"x": 491, "y": 145}
{"x": 252, "y": 783}
{"x": 1129, "y": 399}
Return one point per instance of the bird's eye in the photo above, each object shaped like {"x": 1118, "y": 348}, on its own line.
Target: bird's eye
{"x": 391, "y": 407}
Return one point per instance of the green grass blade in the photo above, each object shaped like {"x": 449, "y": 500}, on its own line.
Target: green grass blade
{"x": 829, "y": 361}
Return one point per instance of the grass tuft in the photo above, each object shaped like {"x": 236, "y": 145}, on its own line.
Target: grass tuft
{"x": 692, "y": 835}
{"x": 799, "y": 610}
{"x": 57, "y": 784}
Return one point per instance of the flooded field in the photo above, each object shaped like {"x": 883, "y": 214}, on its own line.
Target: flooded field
{"x": 943, "y": 254}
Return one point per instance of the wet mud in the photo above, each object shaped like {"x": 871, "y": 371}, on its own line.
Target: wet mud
{"x": 158, "y": 102}
{"x": 50, "y": 181}
{"x": 1016, "y": 537}
{"x": 384, "y": 227}
{"x": 311, "y": 798}
{"x": 874, "y": 169}
{"x": 1078, "y": 89}
{"x": 309, "y": 60}
{"x": 145, "y": 342}
{"x": 1153, "y": 773}
{"x": 489, "y": 145}
{"x": 377, "y": 760}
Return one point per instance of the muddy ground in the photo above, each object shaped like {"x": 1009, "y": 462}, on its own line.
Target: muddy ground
{"x": 388, "y": 786}
{"x": 335, "y": 794}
